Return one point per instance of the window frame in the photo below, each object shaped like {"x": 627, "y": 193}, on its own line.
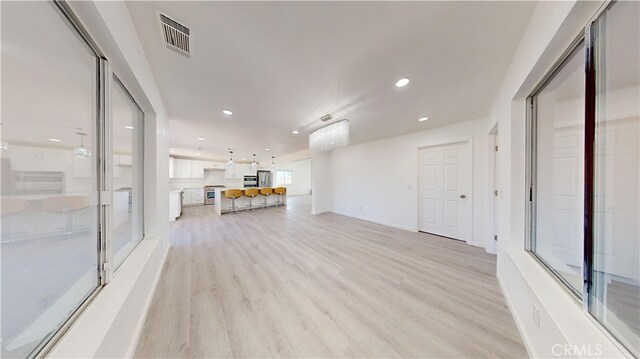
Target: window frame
{"x": 586, "y": 296}
{"x": 531, "y": 161}
{"x": 284, "y": 182}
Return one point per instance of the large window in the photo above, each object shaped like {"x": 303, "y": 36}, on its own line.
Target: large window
{"x": 55, "y": 138}
{"x": 585, "y": 172}
{"x": 128, "y": 131}
{"x": 50, "y": 178}
{"x": 284, "y": 177}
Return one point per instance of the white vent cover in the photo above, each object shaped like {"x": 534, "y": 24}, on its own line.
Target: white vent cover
{"x": 176, "y": 36}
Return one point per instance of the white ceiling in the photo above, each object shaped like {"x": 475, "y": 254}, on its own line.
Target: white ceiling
{"x": 279, "y": 66}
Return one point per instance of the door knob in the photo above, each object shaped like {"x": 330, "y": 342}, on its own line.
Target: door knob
{"x": 463, "y": 196}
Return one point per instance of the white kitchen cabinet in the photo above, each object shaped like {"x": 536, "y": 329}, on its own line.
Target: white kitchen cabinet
{"x": 175, "y": 208}
{"x": 193, "y": 196}
{"x": 25, "y": 158}
{"x": 197, "y": 195}
{"x": 247, "y": 170}
{"x": 82, "y": 167}
{"x": 233, "y": 172}
{"x": 172, "y": 167}
{"x": 125, "y": 160}
{"x": 182, "y": 168}
{"x": 197, "y": 169}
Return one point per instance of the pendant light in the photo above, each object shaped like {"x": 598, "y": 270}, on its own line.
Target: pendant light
{"x": 254, "y": 164}
{"x": 82, "y": 152}
{"x": 273, "y": 163}
{"x": 230, "y": 163}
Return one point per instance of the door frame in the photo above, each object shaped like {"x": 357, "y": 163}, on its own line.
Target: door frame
{"x": 468, "y": 231}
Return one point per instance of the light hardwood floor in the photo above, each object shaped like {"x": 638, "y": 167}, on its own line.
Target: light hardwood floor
{"x": 284, "y": 283}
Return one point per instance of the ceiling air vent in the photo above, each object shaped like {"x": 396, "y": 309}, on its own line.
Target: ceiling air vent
{"x": 176, "y": 36}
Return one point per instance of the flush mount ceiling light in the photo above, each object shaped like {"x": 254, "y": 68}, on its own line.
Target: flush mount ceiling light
{"x": 329, "y": 137}
{"x": 201, "y": 139}
{"x": 295, "y": 132}
{"x": 267, "y": 149}
{"x": 197, "y": 154}
{"x": 254, "y": 164}
{"x": 227, "y": 112}
{"x": 422, "y": 119}
{"x": 54, "y": 140}
{"x": 82, "y": 152}
{"x": 402, "y": 82}
{"x": 129, "y": 127}
{"x": 244, "y": 158}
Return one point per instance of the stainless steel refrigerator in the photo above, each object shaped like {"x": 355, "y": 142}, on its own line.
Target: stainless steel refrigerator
{"x": 265, "y": 179}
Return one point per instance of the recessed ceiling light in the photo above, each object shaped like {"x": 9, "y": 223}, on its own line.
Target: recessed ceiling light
{"x": 227, "y": 112}
{"x": 402, "y": 82}
{"x": 244, "y": 158}
{"x": 129, "y": 127}
{"x": 295, "y": 132}
{"x": 422, "y": 119}
{"x": 171, "y": 151}
{"x": 197, "y": 154}
{"x": 54, "y": 140}
{"x": 200, "y": 139}
{"x": 267, "y": 149}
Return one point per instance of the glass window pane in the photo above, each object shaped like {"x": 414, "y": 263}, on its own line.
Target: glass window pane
{"x": 558, "y": 233}
{"x": 127, "y": 119}
{"x": 49, "y": 210}
{"x": 616, "y": 270}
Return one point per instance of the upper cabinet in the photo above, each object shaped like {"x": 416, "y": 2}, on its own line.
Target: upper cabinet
{"x": 197, "y": 169}
{"x": 179, "y": 168}
{"x": 233, "y": 172}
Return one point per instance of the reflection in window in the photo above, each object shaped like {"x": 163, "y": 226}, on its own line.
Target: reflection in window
{"x": 559, "y": 159}
{"x": 616, "y": 268}
{"x": 128, "y": 132}
{"x": 49, "y": 172}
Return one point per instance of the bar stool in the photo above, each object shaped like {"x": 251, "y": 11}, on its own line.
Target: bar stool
{"x": 232, "y": 194}
{"x": 251, "y": 193}
{"x": 266, "y": 192}
{"x": 280, "y": 191}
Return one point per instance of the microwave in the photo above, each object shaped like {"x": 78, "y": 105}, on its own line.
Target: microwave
{"x": 250, "y": 181}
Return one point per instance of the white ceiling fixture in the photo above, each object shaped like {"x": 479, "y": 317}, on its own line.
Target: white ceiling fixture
{"x": 197, "y": 154}
{"x": 227, "y": 112}
{"x": 176, "y": 36}
{"x": 273, "y": 163}
{"x": 54, "y": 140}
{"x": 402, "y": 82}
{"x": 81, "y": 151}
{"x": 330, "y": 137}
{"x": 254, "y": 164}
{"x": 295, "y": 132}
{"x": 267, "y": 149}
{"x": 201, "y": 139}
{"x": 129, "y": 127}
{"x": 422, "y": 119}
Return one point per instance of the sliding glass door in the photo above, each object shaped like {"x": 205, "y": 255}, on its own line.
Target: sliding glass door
{"x": 50, "y": 179}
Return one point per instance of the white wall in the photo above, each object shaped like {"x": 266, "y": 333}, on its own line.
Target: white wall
{"x": 525, "y": 283}
{"x": 321, "y": 183}
{"x": 301, "y": 176}
{"x": 378, "y": 181}
{"x": 110, "y": 325}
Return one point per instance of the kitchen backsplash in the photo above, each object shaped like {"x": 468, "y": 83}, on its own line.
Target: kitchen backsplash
{"x": 210, "y": 178}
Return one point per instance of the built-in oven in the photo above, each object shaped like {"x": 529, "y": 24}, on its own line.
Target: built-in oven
{"x": 210, "y": 194}
{"x": 250, "y": 181}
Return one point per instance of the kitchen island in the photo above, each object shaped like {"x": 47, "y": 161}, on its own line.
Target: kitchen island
{"x": 224, "y": 205}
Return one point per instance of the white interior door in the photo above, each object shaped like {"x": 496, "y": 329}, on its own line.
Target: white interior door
{"x": 445, "y": 184}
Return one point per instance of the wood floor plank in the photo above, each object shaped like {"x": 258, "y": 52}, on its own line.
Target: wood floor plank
{"x": 284, "y": 283}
